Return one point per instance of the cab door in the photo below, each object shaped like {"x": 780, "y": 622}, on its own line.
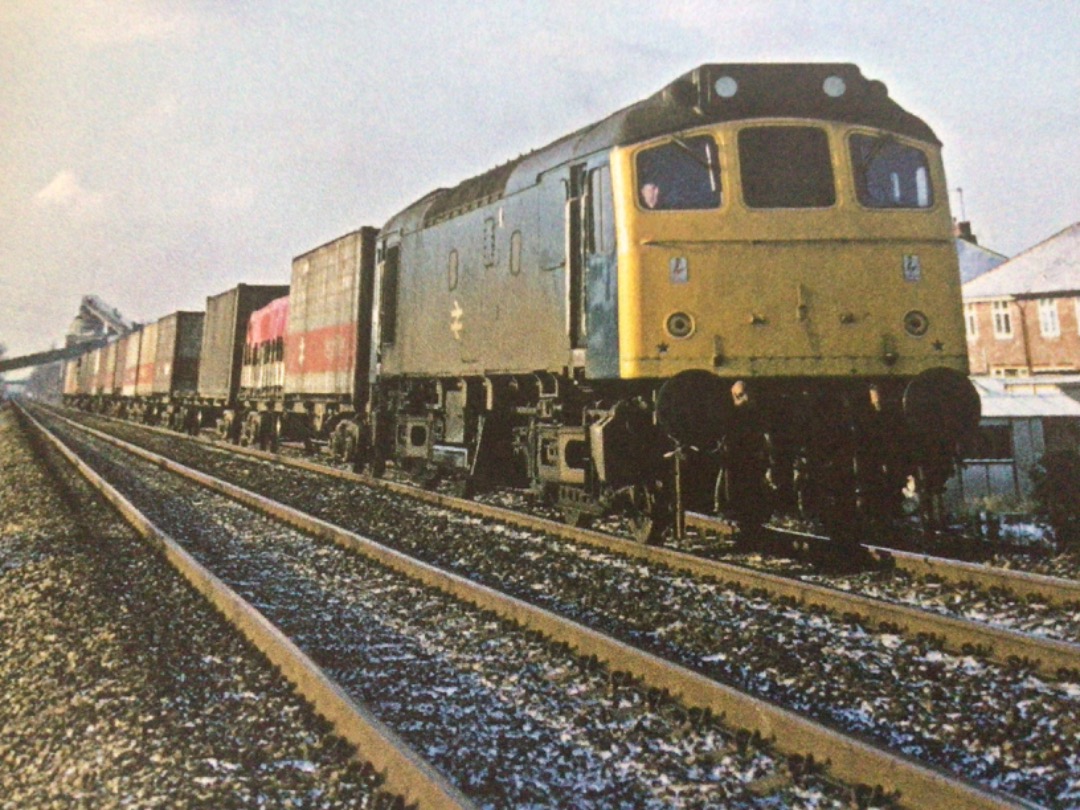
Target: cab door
{"x": 575, "y": 261}
{"x": 600, "y": 267}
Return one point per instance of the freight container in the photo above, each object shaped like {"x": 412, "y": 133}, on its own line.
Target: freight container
{"x": 144, "y": 379}
{"x": 224, "y": 330}
{"x": 104, "y": 385}
{"x": 264, "y": 348}
{"x": 327, "y": 338}
{"x": 71, "y": 376}
{"x": 127, "y": 362}
{"x": 176, "y": 368}
{"x": 87, "y": 369}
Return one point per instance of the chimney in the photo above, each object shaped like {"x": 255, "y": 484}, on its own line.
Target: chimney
{"x": 962, "y": 230}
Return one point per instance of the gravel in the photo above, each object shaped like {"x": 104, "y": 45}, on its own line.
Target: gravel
{"x": 1000, "y": 725}
{"x": 121, "y": 687}
{"x": 512, "y": 719}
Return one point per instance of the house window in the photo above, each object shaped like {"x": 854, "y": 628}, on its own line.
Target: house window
{"x": 1049, "y": 324}
{"x": 1002, "y": 320}
{"x": 971, "y": 321}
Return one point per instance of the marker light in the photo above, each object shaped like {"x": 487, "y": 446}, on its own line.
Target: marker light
{"x": 726, "y": 87}
{"x": 834, "y": 87}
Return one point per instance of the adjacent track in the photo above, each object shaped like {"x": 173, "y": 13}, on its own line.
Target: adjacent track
{"x": 1057, "y": 590}
{"x": 1049, "y": 656}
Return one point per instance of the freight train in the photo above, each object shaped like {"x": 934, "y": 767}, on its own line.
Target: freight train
{"x": 740, "y": 293}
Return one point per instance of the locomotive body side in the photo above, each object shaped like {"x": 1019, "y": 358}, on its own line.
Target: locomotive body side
{"x": 569, "y": 317}
{"x": 479, "y": 292}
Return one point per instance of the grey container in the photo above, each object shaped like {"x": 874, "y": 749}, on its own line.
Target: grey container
{"x": 224, "y": 329}
{"x": 176, "y": 367}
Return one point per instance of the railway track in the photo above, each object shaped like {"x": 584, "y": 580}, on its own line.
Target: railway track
{"x": 1024, "y": 584}
{"x": 656, "y": 638}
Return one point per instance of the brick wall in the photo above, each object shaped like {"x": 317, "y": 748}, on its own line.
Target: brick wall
{"x": 1028, "y": 349}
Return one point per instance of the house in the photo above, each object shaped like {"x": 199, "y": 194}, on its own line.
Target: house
{"x": 1023, "y": 331}
{"x": 1023, "y": 316}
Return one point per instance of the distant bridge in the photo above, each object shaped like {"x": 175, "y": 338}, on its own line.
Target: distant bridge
{"x": 94, "y": 325}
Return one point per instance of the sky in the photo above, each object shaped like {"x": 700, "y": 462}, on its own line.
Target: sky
{"x": 154, "y": 153}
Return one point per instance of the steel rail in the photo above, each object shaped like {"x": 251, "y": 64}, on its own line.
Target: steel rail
{"x": 1057, "y": 590}
{"x": 1048, "y": 656}
{"x": 405, "y": 772}
{"x": 848, "y": 758}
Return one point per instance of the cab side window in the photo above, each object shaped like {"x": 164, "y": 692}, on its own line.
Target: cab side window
{"x": 680, "y": 175}
{"x": 889, "y": 174}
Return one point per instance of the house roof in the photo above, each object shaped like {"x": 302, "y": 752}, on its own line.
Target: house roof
{"x": 976, "y": 260}
{"x": 1051, "y": 267}
{"x": 1008, "y": 398}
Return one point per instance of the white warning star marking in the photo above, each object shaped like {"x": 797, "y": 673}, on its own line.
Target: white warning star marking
{"x": 455, "y": 320}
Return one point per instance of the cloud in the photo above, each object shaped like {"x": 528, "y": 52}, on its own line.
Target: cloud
{"x": 157, "y": 117}
{"x": 239, "y": 198}
{"x": 67, "y": 193}
{"x": 98, "y": 23}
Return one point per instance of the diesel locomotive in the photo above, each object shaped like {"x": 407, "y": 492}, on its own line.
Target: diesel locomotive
{"x": 740, "y": 293}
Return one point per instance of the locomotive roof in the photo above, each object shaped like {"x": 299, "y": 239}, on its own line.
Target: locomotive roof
{"x": 708, "y": 94}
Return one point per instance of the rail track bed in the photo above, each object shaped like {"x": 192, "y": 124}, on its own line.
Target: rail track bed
{"x": 121, "y": 687}
{"x": 513, "y": 719}
{"x": 998, "y": 723}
